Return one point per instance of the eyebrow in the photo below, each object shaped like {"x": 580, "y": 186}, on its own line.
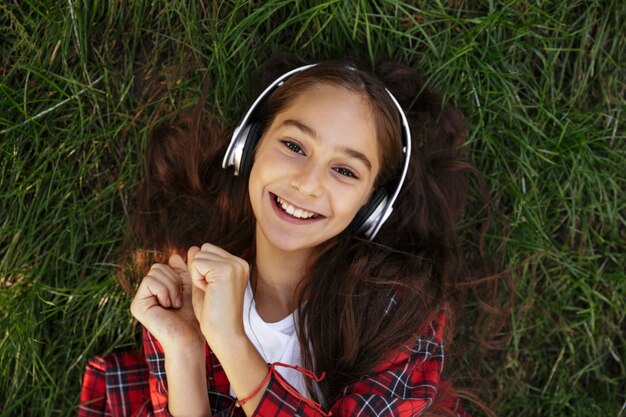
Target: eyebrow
{"x": 343, "y": 149}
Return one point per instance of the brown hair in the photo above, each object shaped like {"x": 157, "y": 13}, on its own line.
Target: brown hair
{"x": 186, "y": 198}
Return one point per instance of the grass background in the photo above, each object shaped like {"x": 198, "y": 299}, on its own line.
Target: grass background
{"x": 542, "y": 84}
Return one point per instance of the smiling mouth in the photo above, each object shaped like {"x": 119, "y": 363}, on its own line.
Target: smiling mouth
{"x": 295, "y": 212}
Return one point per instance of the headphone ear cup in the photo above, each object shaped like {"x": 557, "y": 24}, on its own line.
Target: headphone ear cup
{"x": 368, "y": 215}
{"x": 250, "y": 141}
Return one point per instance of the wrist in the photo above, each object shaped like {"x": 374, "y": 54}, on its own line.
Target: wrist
{"x": 188, "y": 352}
{"x": 187, "y": 385}
{"x": 230, "y": 345}
{"x": 247, "y": 371}
{"x": 192, "y": 364}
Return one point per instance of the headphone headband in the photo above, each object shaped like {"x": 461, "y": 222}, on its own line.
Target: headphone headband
{"x": 371, "y": 218}
{"x": 235, "y": 148}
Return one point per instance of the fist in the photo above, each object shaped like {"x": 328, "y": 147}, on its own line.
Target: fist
{"x": 219, "y": 284}
{"x": 163, "y": 305}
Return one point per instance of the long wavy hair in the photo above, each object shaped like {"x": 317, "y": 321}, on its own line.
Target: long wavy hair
{"x": 186, "y": 198}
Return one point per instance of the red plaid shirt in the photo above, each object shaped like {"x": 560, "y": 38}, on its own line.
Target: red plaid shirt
{"x": 132, "y": 384}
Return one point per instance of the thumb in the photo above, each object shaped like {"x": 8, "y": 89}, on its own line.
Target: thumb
{"x": 197, "y": 301}
{"x": 179, "y": 266}
{"x": 191, "y": 253}
{"x": 193, "y": 274}
{"x": 177, "y": 263}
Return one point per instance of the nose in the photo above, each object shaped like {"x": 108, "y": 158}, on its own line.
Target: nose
{"x": 308, "y": 179}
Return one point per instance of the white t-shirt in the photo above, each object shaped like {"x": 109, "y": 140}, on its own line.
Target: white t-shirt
{"x": 275, "y": 342}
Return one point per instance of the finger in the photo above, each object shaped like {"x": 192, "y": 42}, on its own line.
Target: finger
{"x": 166, "y": 271}
{"x": 197, "y": 300}
{"x": 153, "y": 289}
{"x": 207, "y": 247}
{"x": 205, "y": 270}
{"x": 169, "y": 276}
{"x": 180, "y": 266}
{"x": 209, "y": 263}
{"x": 210, "y": 268}
{"x": 197, "y": 277}
{"x": 217, "y": 257}
{"x": 177, "y": 263}
{"x": 191, "y": 254}
{"x": 211, "y": 256}
{"x": 144, "y": 300}
{"x": 171, "y": 280}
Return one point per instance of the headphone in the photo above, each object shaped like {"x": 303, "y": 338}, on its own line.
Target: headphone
{"x": 372, "y": 215}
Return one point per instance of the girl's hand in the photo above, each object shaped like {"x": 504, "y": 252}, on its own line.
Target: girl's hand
{"x": 219, "y": 284}
{"x": 163, "y": 305}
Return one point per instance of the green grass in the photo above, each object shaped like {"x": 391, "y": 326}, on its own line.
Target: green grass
{"x": 543, "y": 87}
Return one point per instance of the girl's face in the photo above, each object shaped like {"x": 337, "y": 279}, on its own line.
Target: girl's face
{"x": 314, "y": 168}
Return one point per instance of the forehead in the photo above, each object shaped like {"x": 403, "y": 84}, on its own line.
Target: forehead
{"x": 337, "y": 115}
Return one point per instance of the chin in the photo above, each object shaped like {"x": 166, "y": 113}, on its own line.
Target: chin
{"x": 288, "y": 242}
{"x": 293, "y": 245}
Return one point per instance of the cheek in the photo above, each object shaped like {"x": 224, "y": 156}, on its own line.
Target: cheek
{"x": 267, "y": 169}
{"x": 255, "y": 183}
{"x": 265, "y": 160}
{"x": 349, "y": 203}
{"x": 260, "y": 167}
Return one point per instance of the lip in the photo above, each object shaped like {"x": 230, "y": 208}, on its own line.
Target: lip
{"x": 280, "y": 213}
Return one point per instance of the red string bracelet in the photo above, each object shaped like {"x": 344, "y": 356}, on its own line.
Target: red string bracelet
{"x": 239, "y": 403}
{"x": 286, "y": 386}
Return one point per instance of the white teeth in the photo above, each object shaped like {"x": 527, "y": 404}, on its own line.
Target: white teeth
{"x": 293, "y": 211}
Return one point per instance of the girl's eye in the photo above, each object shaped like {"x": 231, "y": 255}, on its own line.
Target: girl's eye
{"x": 293, "y": 146}
{"x": 346, "y": 172}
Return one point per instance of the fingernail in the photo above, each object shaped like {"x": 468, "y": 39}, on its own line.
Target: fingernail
{"x": 178, "y": 302}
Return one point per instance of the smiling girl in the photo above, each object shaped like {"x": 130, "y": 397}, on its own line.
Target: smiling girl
{"x": 293, "y": 282}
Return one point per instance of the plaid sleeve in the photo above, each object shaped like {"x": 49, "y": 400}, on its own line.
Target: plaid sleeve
{"x": 405, "y": 385}
{"x": 114, "y": 385}
{"x": 93, "y": 392}
{"x": 157, "y": 380}
{"x": 222, "y": 404}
